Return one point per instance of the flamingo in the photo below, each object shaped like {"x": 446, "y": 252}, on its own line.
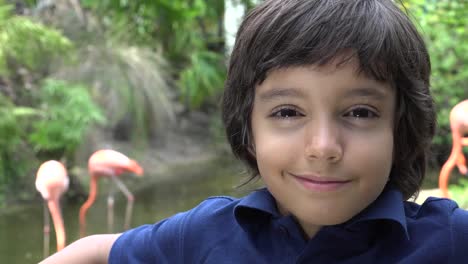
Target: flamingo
{"x": 459, "y": 127}
{"x": 52, "y": 181}
{"x": 110, "y": 164}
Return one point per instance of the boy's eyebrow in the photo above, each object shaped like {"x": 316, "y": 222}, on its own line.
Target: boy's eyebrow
{"x": 378, "y": 93}
{"x": 280, "y": 92}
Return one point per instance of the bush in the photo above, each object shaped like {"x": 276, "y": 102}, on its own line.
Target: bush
{"x": 445, "y": 28}
{"x": 67, "y": 112}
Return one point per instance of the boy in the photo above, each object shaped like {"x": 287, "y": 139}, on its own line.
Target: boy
{"x": 328, "y": 102}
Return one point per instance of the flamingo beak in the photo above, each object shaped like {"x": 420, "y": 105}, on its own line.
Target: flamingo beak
{"x": 136, "y": 169}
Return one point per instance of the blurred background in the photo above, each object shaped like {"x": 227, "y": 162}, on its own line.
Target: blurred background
{"x": 145, "y": 78}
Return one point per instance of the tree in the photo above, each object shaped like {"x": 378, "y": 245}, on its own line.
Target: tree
{"x": 444, "y": 25}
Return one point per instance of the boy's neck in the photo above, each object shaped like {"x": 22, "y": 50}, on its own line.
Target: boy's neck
{"x": 308, "y": 230}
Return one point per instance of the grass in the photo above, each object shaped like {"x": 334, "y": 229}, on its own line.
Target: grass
{"x": 458, "y": 186}
{"x": 459, "y": 192}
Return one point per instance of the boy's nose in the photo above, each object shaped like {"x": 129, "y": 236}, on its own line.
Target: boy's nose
{"x": 322, "y": 143}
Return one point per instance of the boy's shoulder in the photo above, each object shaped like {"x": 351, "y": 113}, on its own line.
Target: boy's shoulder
{"x": 212, "y": 204}
{"x": 226, "y": 209}
{"x": 432, "y": 206}
{"x": 213, "y": 209}
{"x": 188, "y": 236}
{"x": 436, "y": 209}
{"x": 217, "y": 202}
{"x": 437, "y": 214}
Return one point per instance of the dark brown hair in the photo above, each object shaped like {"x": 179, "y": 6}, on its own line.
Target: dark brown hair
{"x": 285, "y": 33}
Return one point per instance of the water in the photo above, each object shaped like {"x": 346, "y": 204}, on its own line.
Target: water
{"x": 21, "y": 239}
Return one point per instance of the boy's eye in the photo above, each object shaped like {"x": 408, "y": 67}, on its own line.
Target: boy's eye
{"x": 286, "y": 113}
{"x": 361, "y": 112}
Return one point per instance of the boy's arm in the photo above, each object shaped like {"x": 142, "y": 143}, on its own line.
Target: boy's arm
{"x": 93, "y": 249}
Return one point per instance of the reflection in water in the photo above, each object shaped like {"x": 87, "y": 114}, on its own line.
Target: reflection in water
{"x": 21, "y": 232}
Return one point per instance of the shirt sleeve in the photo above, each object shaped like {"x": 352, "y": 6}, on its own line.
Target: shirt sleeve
{"x": 460, "y": 236}
{"x": 173, "y": 240}
{"x": 157, "y": 243}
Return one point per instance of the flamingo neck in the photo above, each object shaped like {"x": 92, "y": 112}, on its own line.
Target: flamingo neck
{"x": 54, "y": 208}
{"x": 84, "y": 208}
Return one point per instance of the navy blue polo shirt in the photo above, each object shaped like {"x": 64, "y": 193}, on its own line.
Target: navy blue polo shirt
{"x": 251, "y": 230}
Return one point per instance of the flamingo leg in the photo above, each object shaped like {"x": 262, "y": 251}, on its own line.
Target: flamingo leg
{"x": 46, "y": 230}
{"x": 110, "y": 209}
{"x": 130, "y": 199}
{"x": 461, "y": 164}
{"x": 447, "y": 168}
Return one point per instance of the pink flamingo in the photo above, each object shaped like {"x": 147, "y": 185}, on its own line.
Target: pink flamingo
{"x": 110, "y": 164}
{"x": 52, "y": 181}
{"x": 459, "y": 127}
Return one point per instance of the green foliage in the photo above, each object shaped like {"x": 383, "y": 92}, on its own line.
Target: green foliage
{"x": 67, "y": 112}
{"x": 9, "y": 129}
{"x": 56, "y": 126}
{"x": 27, "y": 50}
{"x": 445, "y": 27}
{"x": 130, "y": 83}
{"x": 203, "y": 80}
{"x": 248, "y": 4}
{"x": 28, "y": 44}
{"x": 459, "y": 192}
{"x": 10, "y": 126}
{"x": 164, "y": 20}
{"x": 13, "y": 164}
{"x": 189, "y": 32}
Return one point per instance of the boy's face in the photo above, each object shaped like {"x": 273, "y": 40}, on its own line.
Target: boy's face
{"x": 323, "y": 140}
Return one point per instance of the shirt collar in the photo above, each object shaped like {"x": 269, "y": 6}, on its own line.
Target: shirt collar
{"x": 255, "y": 209}
{"x": 389, "y": 206}
{"x": 260, "y": 206}
{"x": 258, "y": 202}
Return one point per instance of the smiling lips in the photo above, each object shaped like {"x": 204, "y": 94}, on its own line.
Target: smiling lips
{"x": 320, "y": 184}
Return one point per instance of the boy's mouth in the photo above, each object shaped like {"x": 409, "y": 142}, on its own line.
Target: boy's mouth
{"x": 320, "y": 183}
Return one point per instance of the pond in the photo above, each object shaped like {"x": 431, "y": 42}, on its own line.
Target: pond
{"x": 21, "y": 237}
